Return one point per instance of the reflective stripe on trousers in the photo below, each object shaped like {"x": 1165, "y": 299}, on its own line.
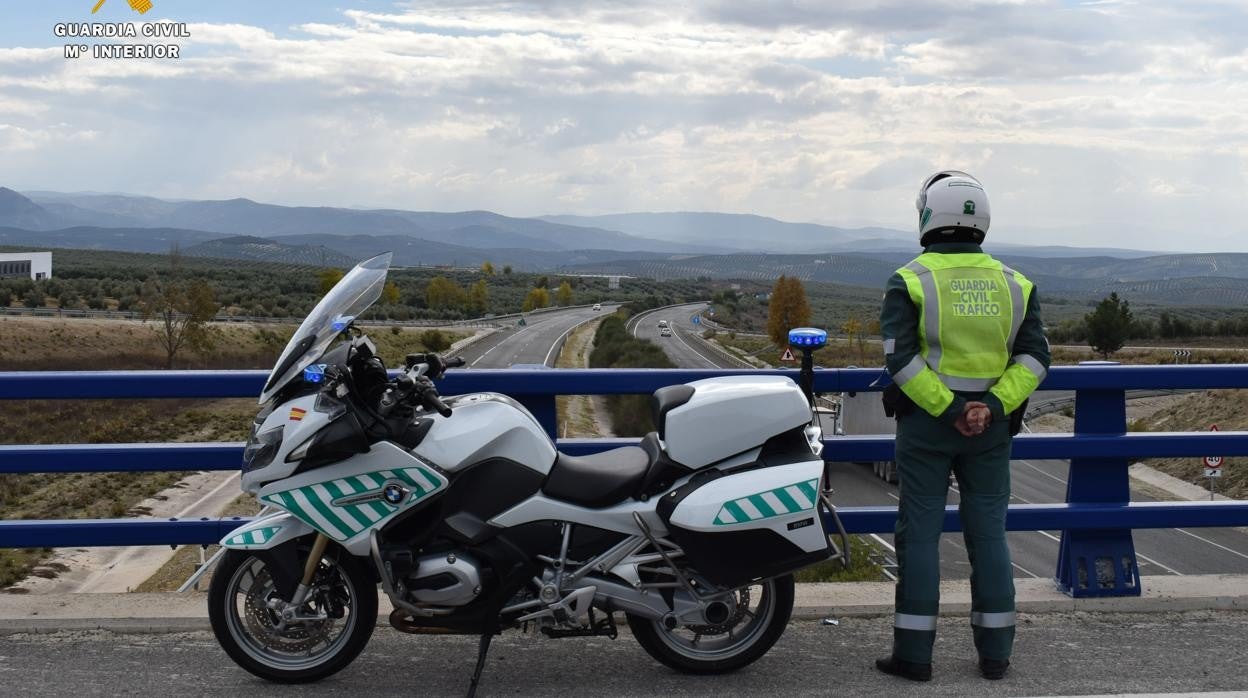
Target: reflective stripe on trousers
{"x": 909, "y": 621}
{"x": 993, "y": 620}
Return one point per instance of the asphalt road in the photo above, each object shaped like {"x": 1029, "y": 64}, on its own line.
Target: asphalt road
{"x": 1058, "y": 654}
{"x": 532, "y": 344}
{"x": 1034, "y": 553}
{"x": 680, "y": 347}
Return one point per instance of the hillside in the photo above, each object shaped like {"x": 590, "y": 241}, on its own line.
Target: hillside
{"x": 1195, "y": 412}
{"x": 853, "y": 270}
{"x": 96, "y": 238}
{"x": 242, "y": 216}
{"x": 266, "y": 250}
{"x": 740, "y": 231}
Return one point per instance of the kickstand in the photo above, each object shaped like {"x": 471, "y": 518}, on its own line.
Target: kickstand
{"x": 482, "y": 650}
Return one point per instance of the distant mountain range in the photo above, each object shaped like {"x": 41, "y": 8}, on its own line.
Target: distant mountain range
{"x": 660, "y": 245}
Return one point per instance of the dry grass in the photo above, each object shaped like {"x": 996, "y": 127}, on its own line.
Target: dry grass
{"x": 32, "y": 344}
{"x": 186, "y": 560}
{"x": 576, "y": 413}
{"x": 1195, "y": 412}
{"x": 38, "y": 344}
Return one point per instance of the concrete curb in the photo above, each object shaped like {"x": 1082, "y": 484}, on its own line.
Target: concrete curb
{"x": 469, "y": 341}
{"x": 173, "y": 613}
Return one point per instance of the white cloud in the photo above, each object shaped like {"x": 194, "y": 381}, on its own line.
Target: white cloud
{"x": 828, "y": 111}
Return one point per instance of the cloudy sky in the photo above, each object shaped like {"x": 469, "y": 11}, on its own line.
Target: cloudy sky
{"x": 1098, "y": 122}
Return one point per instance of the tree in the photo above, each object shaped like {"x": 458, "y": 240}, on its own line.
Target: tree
{"x": 788, "y": 309}
{"x": 564, "y": 295}
{"x": 478, "y": 297}
{"x": 507, "y": 269}
{"x": 854, "y": 330}
{"x": 441, "y": 293}
{"x": 33, "y": 298}
{"x": 1109, "y": 325}
{"x": 327, "y": 278}
{"x": 390, "y": 293}
{"x": 487, "y": 268}
{"x": 537, "y": 298}
{"x": 179, "y": 310}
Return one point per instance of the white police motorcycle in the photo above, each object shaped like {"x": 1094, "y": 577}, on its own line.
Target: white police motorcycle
{"x": 472, "y": 522}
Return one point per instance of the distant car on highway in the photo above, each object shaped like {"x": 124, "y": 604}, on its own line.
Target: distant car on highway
{"x": 665, "y": 331}
{"x": 597, "y": 306}
{"x": 662, "y": 324}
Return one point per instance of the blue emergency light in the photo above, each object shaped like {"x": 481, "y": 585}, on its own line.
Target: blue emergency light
{"x": 807, "y": 337}
{"x": 341, "y": 322}
{"x": 314, "y": 373}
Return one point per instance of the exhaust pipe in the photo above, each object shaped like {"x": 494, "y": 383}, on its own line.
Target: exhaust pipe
{"x": 403, "y": 622}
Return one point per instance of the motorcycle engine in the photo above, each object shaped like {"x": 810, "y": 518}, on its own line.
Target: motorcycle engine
{"x": 445, "y": 579}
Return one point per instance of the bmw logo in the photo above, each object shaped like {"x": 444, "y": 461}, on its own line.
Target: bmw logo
{"x": 394, "y": 492}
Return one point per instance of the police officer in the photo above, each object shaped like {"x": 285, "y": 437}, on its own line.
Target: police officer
{"x": 965, "y": 346}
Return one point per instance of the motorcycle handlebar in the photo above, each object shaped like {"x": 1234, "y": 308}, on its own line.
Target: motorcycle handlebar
{"x": 432, "y": 401}
{"x": 454, "y": 363}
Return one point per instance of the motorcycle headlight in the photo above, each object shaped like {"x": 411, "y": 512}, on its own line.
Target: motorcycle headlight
{"x": 261, "y": 447}
{"x": 329, "y": 405}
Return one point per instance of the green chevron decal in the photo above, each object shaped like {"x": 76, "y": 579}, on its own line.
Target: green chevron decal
{"x": 256, "y": 536}
{"x": 361, "y": 501}
{"x": 800, "y": 496}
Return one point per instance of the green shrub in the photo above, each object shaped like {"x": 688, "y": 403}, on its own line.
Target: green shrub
{"x": 435, "y": 340}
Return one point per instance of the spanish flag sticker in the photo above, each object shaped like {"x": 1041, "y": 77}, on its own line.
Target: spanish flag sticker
{"x": 296, "y": 414}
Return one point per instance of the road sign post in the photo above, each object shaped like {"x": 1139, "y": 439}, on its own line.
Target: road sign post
{"x": 1213, "y": 467}
{"x": 787, "y": 355}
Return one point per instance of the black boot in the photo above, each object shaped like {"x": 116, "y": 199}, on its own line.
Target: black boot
{"x": 993, "y": 669}
{"x": 904, "y": 669}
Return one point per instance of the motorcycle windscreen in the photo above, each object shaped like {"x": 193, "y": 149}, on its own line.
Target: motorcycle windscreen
{"x": 749, "y": 525}
{"x": 348, "y": 299}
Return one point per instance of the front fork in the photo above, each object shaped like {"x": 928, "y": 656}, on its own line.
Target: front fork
{"x": 290, "y": 611}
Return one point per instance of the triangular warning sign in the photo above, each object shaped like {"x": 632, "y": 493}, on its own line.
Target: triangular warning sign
{"x": 788, "y": 355}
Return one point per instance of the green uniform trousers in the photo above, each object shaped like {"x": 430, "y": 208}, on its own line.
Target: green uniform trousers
{"x": 927, "y": 450}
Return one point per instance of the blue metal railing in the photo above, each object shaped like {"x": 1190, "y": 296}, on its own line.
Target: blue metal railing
{"x": 1096, "y": 556}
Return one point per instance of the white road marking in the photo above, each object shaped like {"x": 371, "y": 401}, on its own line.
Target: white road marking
{"x": 1216, "y": 545}
{"x": 201, "y": 500}
{"x": 1038, "y": 470}
{"x": 886, "y": 544}
{"x": 558, "y": 342}
{"x": 676, "y": 334}
{"x": 883, "y": 542}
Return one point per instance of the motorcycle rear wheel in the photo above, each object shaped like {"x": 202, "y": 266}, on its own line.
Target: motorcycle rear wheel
{"x": 744, "y": 638}
{"x": 304, "y": 651}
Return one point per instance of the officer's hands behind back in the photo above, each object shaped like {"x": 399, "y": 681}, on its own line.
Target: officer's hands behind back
{"x": 974, "y": 419}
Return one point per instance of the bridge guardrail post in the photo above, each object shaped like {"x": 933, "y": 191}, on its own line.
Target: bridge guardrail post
{"x": 1098, "y": 562}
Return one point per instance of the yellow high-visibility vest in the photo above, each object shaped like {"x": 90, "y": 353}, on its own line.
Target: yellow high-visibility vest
{"x": 970, "y": 308}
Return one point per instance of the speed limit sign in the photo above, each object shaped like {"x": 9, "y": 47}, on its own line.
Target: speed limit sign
{"x": 1213, "y": 464}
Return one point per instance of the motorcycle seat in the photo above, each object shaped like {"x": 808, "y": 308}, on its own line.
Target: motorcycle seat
{"x": 599, "y": 480}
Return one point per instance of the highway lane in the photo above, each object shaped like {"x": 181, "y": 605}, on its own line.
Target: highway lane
{"x": 683, "y": 350}
{"x": 531, "y": 344}
{"x": 1034, "y": 553}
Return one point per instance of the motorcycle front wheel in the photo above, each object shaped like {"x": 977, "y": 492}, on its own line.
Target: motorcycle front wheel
{"x": 762, "y": 612}
{"x": 342, "y": 612}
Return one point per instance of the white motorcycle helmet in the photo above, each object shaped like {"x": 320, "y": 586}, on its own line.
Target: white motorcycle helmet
{"x": 953, "y": 207}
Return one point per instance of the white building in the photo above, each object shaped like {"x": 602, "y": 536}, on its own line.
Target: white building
{"x": 35, "y": 265}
